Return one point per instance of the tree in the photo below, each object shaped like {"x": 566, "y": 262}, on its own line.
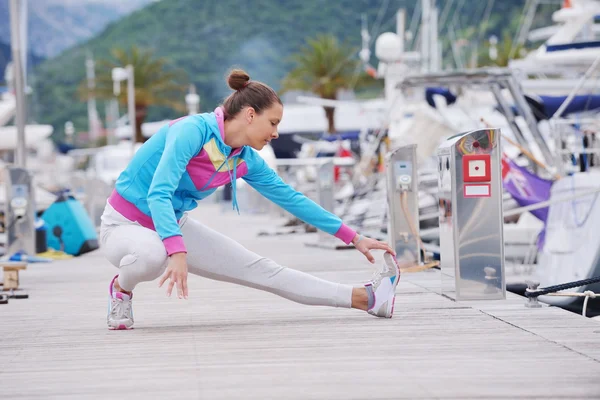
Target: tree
{"x": 155, "y": 84}
{"x": 323, "y": 67}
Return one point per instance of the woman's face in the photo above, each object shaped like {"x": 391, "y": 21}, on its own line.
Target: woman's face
{"x": 262, "y": 128}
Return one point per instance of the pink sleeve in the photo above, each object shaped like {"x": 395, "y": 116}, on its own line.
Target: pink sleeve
{"x": 174, "y": 244}
{"x": 345, "y": 234}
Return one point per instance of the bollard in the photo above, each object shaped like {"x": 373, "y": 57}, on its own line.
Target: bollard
{"x": 532, "y": 302}
{"x": 471, "y": 216}
{"x": 403, "y": 203}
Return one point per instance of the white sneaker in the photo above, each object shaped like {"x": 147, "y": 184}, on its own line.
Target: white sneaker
{"x": 120, "y": 313}
{"x": 384, "y": 287}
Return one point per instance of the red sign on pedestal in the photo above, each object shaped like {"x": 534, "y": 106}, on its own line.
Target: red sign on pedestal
{"x": 477, "y": 168}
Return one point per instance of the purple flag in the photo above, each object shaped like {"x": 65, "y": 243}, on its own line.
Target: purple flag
{"x": 526, "y": 188}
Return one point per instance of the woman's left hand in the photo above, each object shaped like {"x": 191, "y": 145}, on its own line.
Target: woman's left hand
{"x": 364, "y": 244}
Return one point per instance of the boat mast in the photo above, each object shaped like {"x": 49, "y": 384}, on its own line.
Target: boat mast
{"x": 16, "y": 7}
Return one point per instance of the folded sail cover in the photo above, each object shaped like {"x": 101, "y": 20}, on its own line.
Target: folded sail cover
{"x": 544, "y": 107}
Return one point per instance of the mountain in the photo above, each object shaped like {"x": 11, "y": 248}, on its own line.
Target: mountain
{"x": 55, "y": 25}
{"x": 206, "y": 38}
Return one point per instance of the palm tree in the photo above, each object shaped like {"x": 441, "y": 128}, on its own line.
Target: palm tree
{"x": 155, "y": 85}
{"x": 324, "y": 66}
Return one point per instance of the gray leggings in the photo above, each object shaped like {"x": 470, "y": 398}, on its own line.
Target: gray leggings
{"x": 140, "y": 256}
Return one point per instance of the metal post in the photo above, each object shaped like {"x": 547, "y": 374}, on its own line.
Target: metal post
{"x": 131, "y": 104}
{"x": 20, "y": 117}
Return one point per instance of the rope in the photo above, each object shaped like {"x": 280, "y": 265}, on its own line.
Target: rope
{"x": 587, "y": 294}
{"x": 419, "y": 268}
{"x": 411, "y": 224}
{"x": 413, "y": 229}
{"x": 557, "y": 288}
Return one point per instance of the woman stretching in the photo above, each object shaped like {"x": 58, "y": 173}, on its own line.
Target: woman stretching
{"x": 146, "y": 231}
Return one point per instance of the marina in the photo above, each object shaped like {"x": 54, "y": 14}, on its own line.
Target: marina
{"x": 481, "y": 174}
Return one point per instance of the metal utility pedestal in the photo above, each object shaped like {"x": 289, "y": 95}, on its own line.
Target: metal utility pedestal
{"x": 403, "y": 204}
{"x": 471, "y": 216}
{"x": 19, "y": 223}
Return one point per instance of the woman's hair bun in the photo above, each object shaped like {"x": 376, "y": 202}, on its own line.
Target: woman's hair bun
{"x": 237, "y": 79}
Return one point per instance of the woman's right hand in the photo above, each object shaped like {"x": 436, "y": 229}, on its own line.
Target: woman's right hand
{"x": 177, "y": 272}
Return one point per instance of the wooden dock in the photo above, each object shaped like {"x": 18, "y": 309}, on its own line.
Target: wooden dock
{"x": 231, "y": 342}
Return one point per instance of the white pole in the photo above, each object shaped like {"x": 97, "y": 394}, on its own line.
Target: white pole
{"x": 92, "y": 111}
{"x": 112, "y": 114}
{"x": 425, "y": 34}
{"x": 91, "y": 103}
{"x": 192, "y": 100}
{"x": 401, "y": 27}
{"x": 131, "y": 105}
{"x": 20, "y": 117}
{"x": 69, "y": 131}
{"x": 434, "y": 59}
{"x": 23, "y": 21}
